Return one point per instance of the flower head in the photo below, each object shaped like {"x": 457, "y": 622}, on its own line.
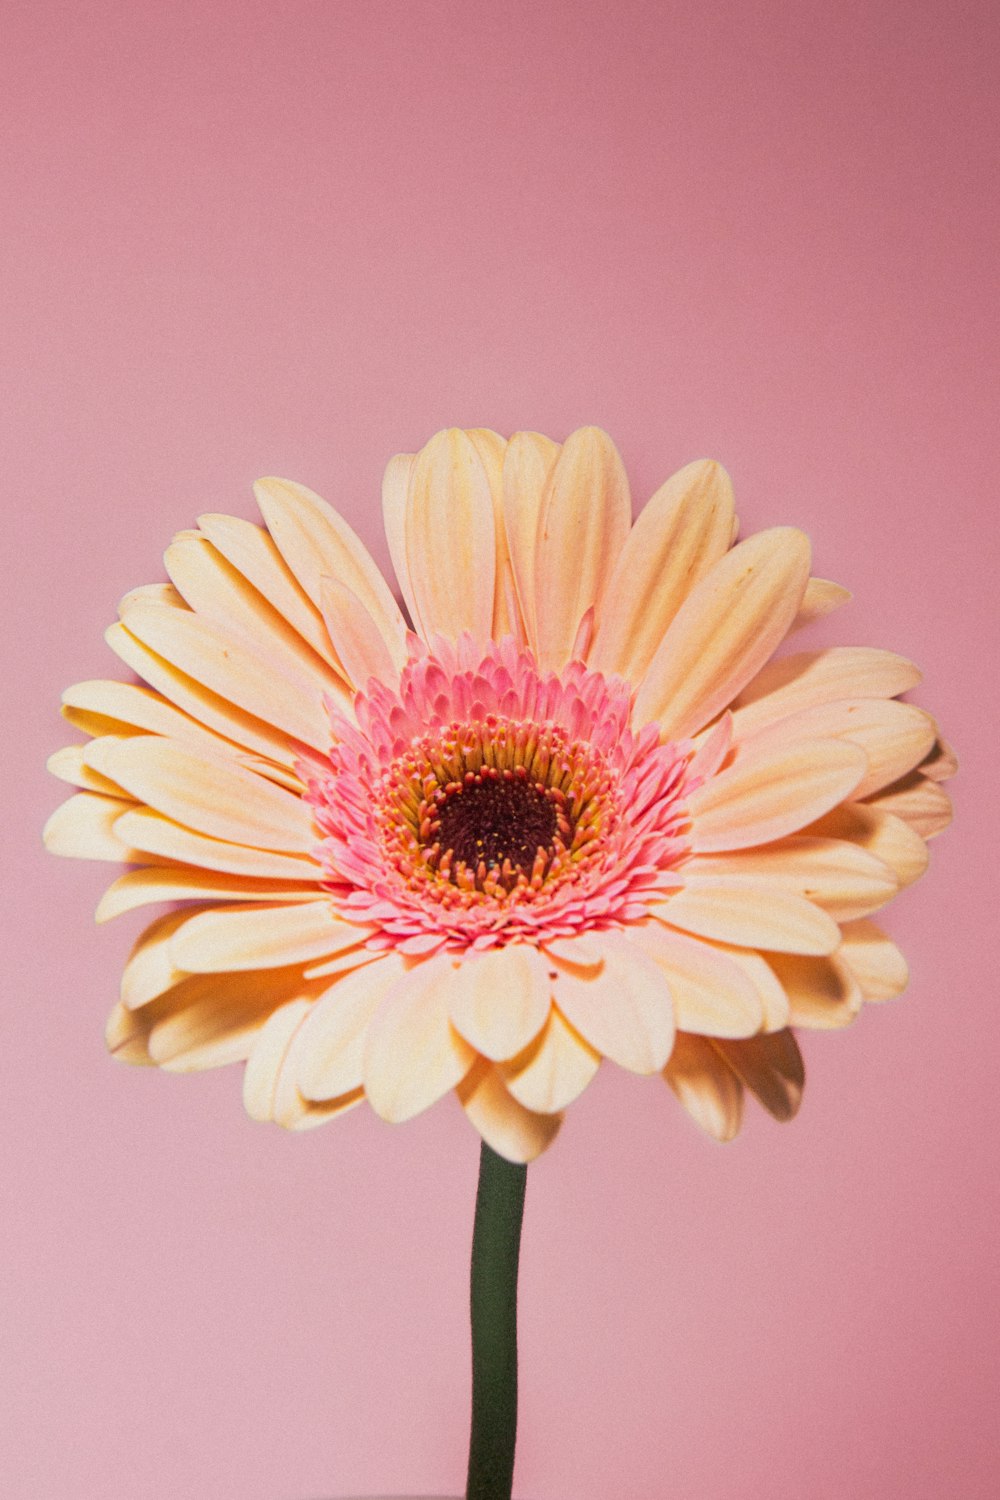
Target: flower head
{"x": 577, "y": 808}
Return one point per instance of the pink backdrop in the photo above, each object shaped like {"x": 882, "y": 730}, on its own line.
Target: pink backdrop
{"x": 291, "y": 238}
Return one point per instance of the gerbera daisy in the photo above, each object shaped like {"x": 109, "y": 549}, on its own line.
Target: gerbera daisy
{"x": 573, "y": 808}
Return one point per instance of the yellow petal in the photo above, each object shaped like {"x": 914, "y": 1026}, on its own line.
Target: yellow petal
{"x": 679, "y": 535}
{"x": 207, "y": 707}
{"x": 623, "y": 1009}
{"x": 528, "y": 462}
{"x": 712, "y": 996}
{"x": 259, "y": 937}
{"x": 207, "y": 793}
{"x": 771, "y": 1067}
{"x": 395, "y": 487}
{"x": 875, "y": 962}
{"x": 584, "y": 521}
{"x": 83, "y": 828}
{"x": 894, "y": 736}
{"x": 125, "y": 703}
{"x": 316, "y": 543}
{"x": 155, "y": 883}
{"x": 221, "y": 596}
{"x": 413, "y": 1054}
{"x": 762, "y": 916}
{"x": 267, "y": 1056}
{"x": 150, "y": 970}
{"x": 499, "y": 1000}
{"x": 771, "y": 792}
{"x": 450, "y": 539}
{"x": 252, "y": 553}
{"x": 554, "y": 1069}
{"x": 359, "y": 643}
{"x": 256, "y": 680}
{"x": 513, "y": 1132}
{"x": 922, "y": 804}
{"x": 820, "y": 598}
{"x": 809, "y": 678}
{"x": 839, "y": 876}
{"x": 881, "y": 834}
{"x": 212, "y": 1020}
{"x": 728, "y": 626}
{"x": 822, "y": 992}
{"x": 331, "y": 1049}
{"x": 154, "y": 834}
{"x": 707, "y": 1088}
{"x": 492, "y": 448}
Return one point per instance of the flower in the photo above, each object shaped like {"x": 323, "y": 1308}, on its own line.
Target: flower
{"x": 580, "y": 810}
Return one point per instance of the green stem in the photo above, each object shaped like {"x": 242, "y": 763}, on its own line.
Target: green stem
{"x": 496, "y": 1243}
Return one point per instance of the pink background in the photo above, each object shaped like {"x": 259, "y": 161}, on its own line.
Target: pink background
{"x": 292, "y": 238}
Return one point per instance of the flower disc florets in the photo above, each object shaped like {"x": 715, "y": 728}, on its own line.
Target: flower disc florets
{"x": 483, "y": 802}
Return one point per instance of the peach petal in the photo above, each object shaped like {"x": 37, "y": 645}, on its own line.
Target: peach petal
{"x": 413, "y": 1054}
{"x": 527, "y": 464}
{"x": 259, "y": 937}
{"x": 874, "y": 960}
{"x": 500, "y": 1000}
{"x": 624, "y": 1009}
{"x": 267, "y": 1056}
{"x": 923, "y": 805}
{"x": 356, "y": 637}
{"x": 513, "y": 1132}
{"x": 156, "y": 883}
{"x": 679, "y": 535}
{"x": 773, "y": 792}
{"x": 837, "y": 875}
{"x": 751, "y": 917}
{"x": 879, "y": 833}
{"x": 811, "y": 678}
{"x": 584, "y": 521}
{"x": 894, "y": 736}
{"x": 153, "y": 833}
{"x": 450, "y": 539}
{"x": 822, "y": 992}
{"x": 711, "y": 994}
{"x": 820, "y": 598}
{"x": 771, "y": 1067}
{"x": 708, "y": 1089}
{"x": 554, "y": 1069}
{"x": 84, "y": 828}
{"x": 728, "y": 626}
{"x": 329, "y": 1057}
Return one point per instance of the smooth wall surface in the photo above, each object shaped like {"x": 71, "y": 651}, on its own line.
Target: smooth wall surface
{"x": 293, "y": 238}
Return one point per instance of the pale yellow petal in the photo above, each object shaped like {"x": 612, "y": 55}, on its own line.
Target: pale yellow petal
{"x": 359, "y": 643}
{"x": 554, "y": 1069}
{"x": 154, "y": 834}
{"x": 155, "y": 883}
{"x": 820, "y": 598}
{"x": 528, "y": 462}
{"x": 923, "y": 805}
{"x": 822, "y": 992}
{"x": 679, "y": 535}
{"x": 259, "y": 937}
{"x": 69, "y": 765}
{"x": 413, "y": 1054}
{"x": 731, "y": 622}
{"x": 707, "y": 1088}
{"x": 257, "y": 680}
{"x": 395, "y": 487}
{"x": 253, "y": 553}
{"x": 207, "y": 793}
{"x": 267, "y": 1055}
{"x": 499, "y": 1000}
{"x": 584, "y": 521}
{"x": 513, "y": 1132}
{"x": 212, "y": 1020}
{"x": 125, "y": 703}
{"x": 149, "y": 970}
{"x": 623, "y": 1009}
{"x": 223, "y": 598}
{"x": 894, "y": 736}
{"x": 450, "y": 539}
{"x": 839, "y": 876}
{"x": 492, "y": 448}
{"x": 881, "y": 834}
{"x": 874, "y": 960}
{"x": 330, "y": 1052}
{"x": 771, "y": 1067}
{"x": 316, "y": 543}
{"x": 207, "y": 707}
{"x": 810, "y": 678}
{"x": 773, "y": 791}
{"x": 711, "y": 994}
{"x": 84, "y": 828}
{"x": 751, "y": 916}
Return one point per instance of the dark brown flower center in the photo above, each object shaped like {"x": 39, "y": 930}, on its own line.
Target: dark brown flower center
{"x": 496, "y": 820}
